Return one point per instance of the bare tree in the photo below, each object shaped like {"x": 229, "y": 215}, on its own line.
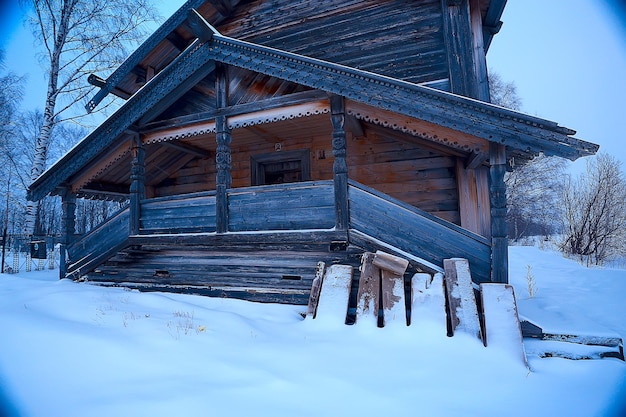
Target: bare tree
{"x": 533, "y": 191}
{"x": 503, "y": 93}
{"x": 594, "y": 212}
{"x": 533, "y": 187}
{"x": 79, "y": 37}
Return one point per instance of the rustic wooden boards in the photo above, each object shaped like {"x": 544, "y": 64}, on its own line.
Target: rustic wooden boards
{"x": 332, "y": 305}
{"x": 428, "y": 303}
{"x": 415, "y": 231}
{"x": 461, "y": 300}
{"x": 381, "y": 295}
{"x": 501, "y": 321}
{"x": 368, "y": 298}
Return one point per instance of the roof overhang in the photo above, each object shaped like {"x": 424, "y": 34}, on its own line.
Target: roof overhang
{"x": 521, "y": 133}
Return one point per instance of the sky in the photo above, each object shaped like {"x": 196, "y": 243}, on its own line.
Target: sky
{"x": 566, "y": 57}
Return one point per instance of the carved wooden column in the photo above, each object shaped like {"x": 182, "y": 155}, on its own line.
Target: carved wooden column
{"x": 499, "y": 241}
{"x": 222, "y": 158}
{"x": 68, "y": 227}
{"x": 340, "y": 167}
{"x": 137, "y": 184}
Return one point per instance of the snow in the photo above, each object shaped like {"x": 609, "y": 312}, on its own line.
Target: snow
{"x": 74, "y": 349}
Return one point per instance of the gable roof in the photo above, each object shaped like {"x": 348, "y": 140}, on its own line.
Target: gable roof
{"x": 171, "y": 38}
{"x": 525, "y": 134}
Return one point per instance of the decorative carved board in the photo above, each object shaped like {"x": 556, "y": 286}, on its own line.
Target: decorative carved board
{"x": 315, "y": 290}
{"x": 394, "y": 307}
{"x": 502, "y": 326}
{"x": 428, "y": 303}
{"x": 335, "y": 293}
{"x": 461, "y": 300}
{"x": 369, "y": 292}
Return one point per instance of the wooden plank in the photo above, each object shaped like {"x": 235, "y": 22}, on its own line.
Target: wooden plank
{"x": 459, "y": 48}
{"x": 368, "y": 298}
{"x": 416, "y": 232}
{"x": 390, "y": 263}
{"x": 428, "y": 303}
{"x": 468, "y": 198}
{"x": 333, "y": 302}
{"x": 502, "y": 328}
{"x": 461, "y": 300}
{"x": 393, "y": 299}
{"x": 315, "y": 290}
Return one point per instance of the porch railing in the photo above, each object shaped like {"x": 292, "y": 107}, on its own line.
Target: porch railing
{"x": 373, "y": 217}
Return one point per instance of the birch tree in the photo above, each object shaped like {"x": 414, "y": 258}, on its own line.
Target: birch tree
{"x": 78, "y": 37}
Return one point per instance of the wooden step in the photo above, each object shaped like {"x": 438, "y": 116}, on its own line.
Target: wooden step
{"x": 501, "y": 322}
{"x": 332, "y": 305}
{"x": 428, "y": 303}
{"x": 461, "y": 300}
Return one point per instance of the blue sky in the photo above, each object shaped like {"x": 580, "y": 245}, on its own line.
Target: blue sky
{"x": 567, "y": 58}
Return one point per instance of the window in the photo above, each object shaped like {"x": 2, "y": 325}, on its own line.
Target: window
{"x": 280, "y": 167}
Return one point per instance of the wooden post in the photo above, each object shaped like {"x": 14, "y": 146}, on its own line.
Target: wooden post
{"x": 340, "y": 167}
{"x": 137, "y": 184}
{"x": 222, "y": 158}
{"x": 499, "y": 241}
{"x": 464, "y": 47}
{"x": 68, "y": 227}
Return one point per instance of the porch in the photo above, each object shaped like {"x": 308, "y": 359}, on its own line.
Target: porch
{"x": 276, "y": 235}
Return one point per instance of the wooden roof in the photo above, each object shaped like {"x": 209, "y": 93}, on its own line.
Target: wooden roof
{"x": 523, "y": 135}
{"x": 174, "y": 107}
{"x": 397, "y": 38}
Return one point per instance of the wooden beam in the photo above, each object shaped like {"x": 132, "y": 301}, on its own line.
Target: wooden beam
{"x": 340, "y": 167}
{"x": 499, "y": 241}
{"x": 475, "y": 159}
{"x": 100, "y": 188}
{"x": 192, "y": 150}
{"x": 68, "y": 225}
{"x": 479, "y": 51}
{"x": 200, "y": 27}
{"x": 96, "y": 81}
{"x": 222, "y": 156}
{"x": 457, "y": 32}
{"x": 238, "y": 109}
{"x": 178, "y": 91}
{"x": 137, "y": 187}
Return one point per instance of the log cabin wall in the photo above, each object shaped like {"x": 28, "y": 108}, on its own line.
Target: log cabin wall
{"x": 398, "y": 38}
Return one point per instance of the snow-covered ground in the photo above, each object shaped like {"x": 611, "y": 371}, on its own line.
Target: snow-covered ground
{"x": 71, "y": 349}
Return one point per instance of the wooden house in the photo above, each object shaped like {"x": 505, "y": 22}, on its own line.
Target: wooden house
{"x": 259, "y": 137}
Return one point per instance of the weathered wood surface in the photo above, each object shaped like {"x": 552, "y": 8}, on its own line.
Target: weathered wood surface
{"x": 333, "y": 302}
{"x": 462, "y": 308}
{"x": 368, "y": 299}
{"x": 428, "y": 303}
{"x": 499, "y": 241}
{"x": 413, "y": 30}
{"x": 393, "y": 299}
{"x": 309, "y": 240}
{"x": 389, "y": 262}
{"x": 316, "y": 287}
{"x": 569, "y": 346}
{"x": 501, "y": 328}
{"x": 416, "y": 232}
{"x": 294, "y": 206}
{"x": 101, "y": 239}
{"x": 179, "y": 215}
